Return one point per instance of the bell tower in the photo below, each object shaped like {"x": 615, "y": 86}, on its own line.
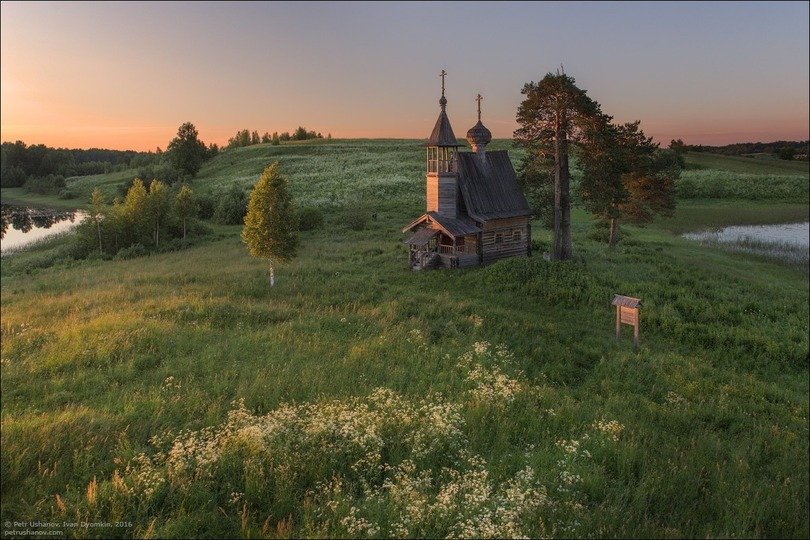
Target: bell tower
{"x": 442, "y": 174}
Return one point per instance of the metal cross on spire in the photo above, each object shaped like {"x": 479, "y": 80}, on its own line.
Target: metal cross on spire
{"x": 478, "y": 98}
{"x": 443, "y": 74}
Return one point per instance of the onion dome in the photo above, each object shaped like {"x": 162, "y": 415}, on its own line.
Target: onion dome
{"x": 479, "y": 136}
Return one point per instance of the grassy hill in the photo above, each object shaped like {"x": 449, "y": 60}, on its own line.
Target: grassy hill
{"x": 179, "y": 396}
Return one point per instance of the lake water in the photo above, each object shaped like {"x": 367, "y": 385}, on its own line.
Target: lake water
{"x": 795, "y": 234}
{"x": 787, "y": 242}
{"x": 23, "y": 225}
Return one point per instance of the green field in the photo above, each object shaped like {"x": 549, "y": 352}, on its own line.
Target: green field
{"x": 181, "y": 396}
{"x": 745, "y": 164}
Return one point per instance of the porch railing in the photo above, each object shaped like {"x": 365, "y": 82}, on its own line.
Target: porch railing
{"x": 468, "y": 249}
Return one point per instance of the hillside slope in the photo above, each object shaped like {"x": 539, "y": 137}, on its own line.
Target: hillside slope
{"x": 182, "y": 396}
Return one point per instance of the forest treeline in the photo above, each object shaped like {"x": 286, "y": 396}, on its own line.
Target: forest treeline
{"x": 43, "y": 169}
{"x": 246, "y": 137}
{"x": 19, "y": 162}
{"x": 778, "y": 148}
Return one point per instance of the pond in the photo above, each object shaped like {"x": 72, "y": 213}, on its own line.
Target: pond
{"x": 22, "y": 225}
{"x": 788, "y": 242}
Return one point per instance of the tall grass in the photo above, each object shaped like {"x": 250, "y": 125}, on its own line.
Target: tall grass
{"x": 714, "y": 184}
{"x": 181, "y": 394}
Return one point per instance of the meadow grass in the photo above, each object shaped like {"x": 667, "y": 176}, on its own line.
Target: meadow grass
{"x": 180, "y": 393}
{"x": 695, "y": 215}
{"x": 745, "y": 165}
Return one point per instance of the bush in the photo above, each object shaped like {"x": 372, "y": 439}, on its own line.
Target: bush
{"x": 124, "y": 188}
{"x": 45, "y": 185}
{"x": 205, "y": 206}
{"x": 163, "y": 172}
{"x": 135, "y": 250}
{"x": 310, "y": 218}
{"x": 12, "y": 177}
{"x": 232, "y": 207}
{"x": 356, "y": 219}
{"x": 539, "y": 247}
{"x": 600, "y": 231}
{"x": 67, "y": 194}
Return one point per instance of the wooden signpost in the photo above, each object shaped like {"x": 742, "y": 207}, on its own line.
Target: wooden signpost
{"x": 627, "y": 313}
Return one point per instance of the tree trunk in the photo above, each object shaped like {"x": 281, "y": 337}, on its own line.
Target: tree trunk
{"x": 272, "y": 278}
{"x": 562, "y": 198}
{"x": 612, "y": 237}
{"x": 100, "y": 248}
{"x": 184, "y": 228}
{"x": 557, "y": 192}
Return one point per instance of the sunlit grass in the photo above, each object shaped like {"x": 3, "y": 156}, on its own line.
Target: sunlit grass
{"x": 703, "y": 432}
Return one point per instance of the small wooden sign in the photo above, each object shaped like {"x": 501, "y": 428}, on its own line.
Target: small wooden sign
{"x": 628, "y": 315}
{"x": 627, "y": 309}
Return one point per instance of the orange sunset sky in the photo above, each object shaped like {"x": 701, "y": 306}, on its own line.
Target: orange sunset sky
{"x": 125, "y": 75}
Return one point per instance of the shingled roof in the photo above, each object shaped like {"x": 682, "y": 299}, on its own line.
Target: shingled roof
{"x": 489, "y": 186}
{"x": 455, "y": 227}
{"x": 442, "y": 132}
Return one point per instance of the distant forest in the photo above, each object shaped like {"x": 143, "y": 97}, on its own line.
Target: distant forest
{"x": 44, "y": 169}
{"x": 19, "y": 162}
{"x": 777, "y": 148}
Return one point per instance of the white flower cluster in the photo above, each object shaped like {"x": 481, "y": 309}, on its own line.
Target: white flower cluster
{"x": 353, "y": 431}
{"x": 476, "y": 320}
{"x": 357, "y": 526}
{"x": 484, "y": 372}
{"x": 573, "y": 447}
{"x": 492, "y": 385}
{"x": 675, "y": 399}
{"x": 610, "y": 428}
{"x": 170, "y": 384}
{"x": 142, "y": 476}
{"x": 455, "y": 503}
{"x": 404, "y": 462}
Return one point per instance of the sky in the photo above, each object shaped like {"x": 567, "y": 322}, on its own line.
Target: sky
{"x": 125, "y": 75}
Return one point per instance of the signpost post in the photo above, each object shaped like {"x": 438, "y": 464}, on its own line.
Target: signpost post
{"x": 627, "y": 309}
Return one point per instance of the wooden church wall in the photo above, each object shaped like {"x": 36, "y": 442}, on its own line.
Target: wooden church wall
{"x": 492, "y": 251}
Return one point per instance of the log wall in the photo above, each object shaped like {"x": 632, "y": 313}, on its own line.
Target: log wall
{"x": 493, "y": 250}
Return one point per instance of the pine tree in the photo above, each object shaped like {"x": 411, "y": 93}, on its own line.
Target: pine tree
{"x": 271, "y": 228}
{"x": 626, "y": 175}
{"x": 553, "y": 115}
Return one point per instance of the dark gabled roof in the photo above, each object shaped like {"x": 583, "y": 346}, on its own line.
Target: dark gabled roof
{"x": 455, "y": 227}
{"x": 625, "y": 301}
{"x": 421, "y": 237}
{"x": 489, "y": 186}
{"x": 442, "y": 132}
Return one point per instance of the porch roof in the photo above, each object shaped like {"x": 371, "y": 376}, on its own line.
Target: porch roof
{"x": 421, "y": 237}
{"x": 454, "y": 227}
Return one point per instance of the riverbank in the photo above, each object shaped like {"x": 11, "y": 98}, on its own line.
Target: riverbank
{"x": 20, "y": 197}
